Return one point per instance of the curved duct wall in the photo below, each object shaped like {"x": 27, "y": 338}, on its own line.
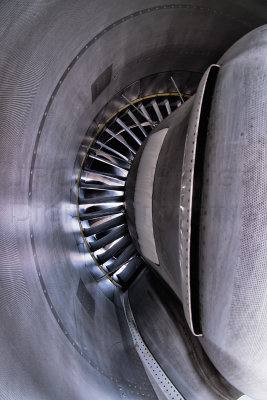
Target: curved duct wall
{"x": 63, "y": 335}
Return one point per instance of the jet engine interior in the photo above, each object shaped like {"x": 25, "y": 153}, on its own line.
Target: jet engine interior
{"x": 133, "y": 217}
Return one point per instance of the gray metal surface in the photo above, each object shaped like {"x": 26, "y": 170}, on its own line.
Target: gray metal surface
{"x": 233, "y": 259}
{"x": 164, "y": 385}
{"x": 186, "y": 199}
{"x": 165, "y": 197}
{"x": 165, "y": 332}
{"x": 51, "y": 55}
{"x": 103, "y": 175}
{"x": 143, "y": 196}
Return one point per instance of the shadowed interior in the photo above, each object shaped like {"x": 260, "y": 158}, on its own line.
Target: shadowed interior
{"x": 63, "y": 334}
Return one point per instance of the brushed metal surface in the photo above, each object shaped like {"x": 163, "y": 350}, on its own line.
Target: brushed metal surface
{"x": 233, "y": 275}
{"x": 166, "y": 333}
{"x": 51, "y": 53}
{"x": 163, "y": 384}
{"x": 144, "y": 193}
{"x": 186, "y": 199}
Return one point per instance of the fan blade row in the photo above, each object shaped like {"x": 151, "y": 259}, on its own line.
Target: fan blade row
{"x": 101, "y": 199}
{"x": 101, "y": 213}
{"x": 109, "y": 238}
{"x": 115, "y": 249}
{"x": 93, "y": 230}
{"x": 127, "y": 253}
{"x": 105, "y": 171}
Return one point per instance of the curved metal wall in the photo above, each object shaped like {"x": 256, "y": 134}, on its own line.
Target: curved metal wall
{"x": 63, "y": 336}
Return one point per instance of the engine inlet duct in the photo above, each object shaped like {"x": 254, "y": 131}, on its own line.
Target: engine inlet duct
{"x": 133, "y": 200}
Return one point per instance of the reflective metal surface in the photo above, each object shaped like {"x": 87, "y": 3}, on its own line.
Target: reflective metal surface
{"x": 233, "y": 253}
{"x": 101, "y": 184}
{"x": 190, "y": 205}
{"x": 64, "y": 335}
